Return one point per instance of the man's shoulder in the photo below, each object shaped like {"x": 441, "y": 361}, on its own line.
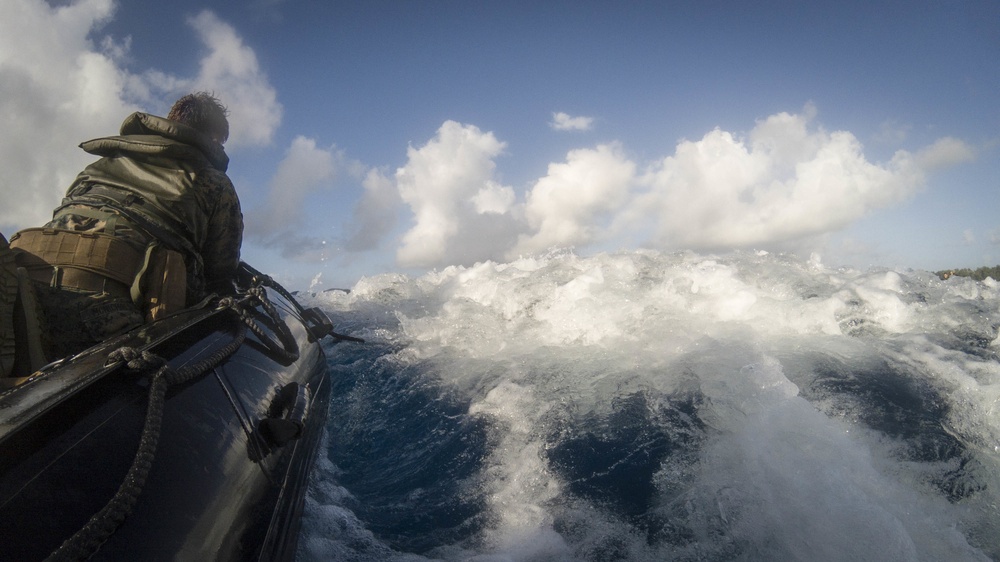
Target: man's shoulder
{"x": 214, "y": 178}
{"x": 216, "y": 190}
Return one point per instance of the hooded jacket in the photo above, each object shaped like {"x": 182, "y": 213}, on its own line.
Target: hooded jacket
{"x": 161, "y": 180}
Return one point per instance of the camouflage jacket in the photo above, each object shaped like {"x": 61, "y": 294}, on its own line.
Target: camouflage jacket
{"x": 161, "y": 180}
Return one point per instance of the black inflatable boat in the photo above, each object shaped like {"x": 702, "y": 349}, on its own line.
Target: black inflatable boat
{"x": 190, "y": 438}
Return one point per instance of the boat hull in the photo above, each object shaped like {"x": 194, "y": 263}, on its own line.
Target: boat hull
{"x": 217, "y": 489}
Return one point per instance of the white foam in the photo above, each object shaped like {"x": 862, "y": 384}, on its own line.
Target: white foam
{"x": 776, "y": 476}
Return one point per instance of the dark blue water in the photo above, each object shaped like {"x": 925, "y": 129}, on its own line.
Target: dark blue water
{"x": 645, "y": 406}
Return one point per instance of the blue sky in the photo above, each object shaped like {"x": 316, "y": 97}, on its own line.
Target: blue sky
{"x": 380, "y": 136}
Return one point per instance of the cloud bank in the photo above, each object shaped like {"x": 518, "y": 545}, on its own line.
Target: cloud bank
{"x": 782, "y": 184}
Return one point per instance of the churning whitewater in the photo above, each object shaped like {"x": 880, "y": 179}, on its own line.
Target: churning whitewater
{"x": 650, "y": 406}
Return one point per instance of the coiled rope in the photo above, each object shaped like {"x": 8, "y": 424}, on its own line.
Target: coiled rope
{"x": 85, "y": 542}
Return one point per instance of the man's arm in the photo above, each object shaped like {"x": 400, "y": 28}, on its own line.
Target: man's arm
{"x": 221, "y": 252}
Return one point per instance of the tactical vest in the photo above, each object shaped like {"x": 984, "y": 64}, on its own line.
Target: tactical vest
{"x": 147, "y": 175}
{"x": 144, "y": 180}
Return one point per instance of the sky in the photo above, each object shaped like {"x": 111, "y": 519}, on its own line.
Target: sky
{"x": 406, "y": 136}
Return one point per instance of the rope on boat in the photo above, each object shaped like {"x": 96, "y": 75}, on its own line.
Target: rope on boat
{"x": 260, "y": 280}
{"x": 289, "y": 349}
{"x": 86, "y": 542}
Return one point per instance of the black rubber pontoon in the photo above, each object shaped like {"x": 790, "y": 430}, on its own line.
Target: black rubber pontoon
{"x": 242, "y": 416}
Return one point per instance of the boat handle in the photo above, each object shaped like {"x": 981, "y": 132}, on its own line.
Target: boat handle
{"x": 317, "y": 322}
{"x": 287, "y": 414}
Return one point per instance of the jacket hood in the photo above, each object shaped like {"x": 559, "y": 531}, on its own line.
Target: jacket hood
{"x": 139, "y": 132}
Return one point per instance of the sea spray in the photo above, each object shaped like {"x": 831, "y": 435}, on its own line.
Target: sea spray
{"x": 648, "y": 406}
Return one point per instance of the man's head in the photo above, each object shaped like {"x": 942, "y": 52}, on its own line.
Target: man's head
{"x": 204, "y": 112}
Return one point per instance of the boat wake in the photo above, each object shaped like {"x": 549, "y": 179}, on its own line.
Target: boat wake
{"x": 648, "y": 406}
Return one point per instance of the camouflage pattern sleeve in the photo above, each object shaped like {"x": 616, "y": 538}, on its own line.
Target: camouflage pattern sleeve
{"x": 221, "y": 251}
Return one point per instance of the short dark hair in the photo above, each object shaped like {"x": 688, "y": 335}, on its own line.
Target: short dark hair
{"x": 204, "y": 112}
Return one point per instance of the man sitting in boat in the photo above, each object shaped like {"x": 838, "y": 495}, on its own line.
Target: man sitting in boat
{"x": 151, "y": 227}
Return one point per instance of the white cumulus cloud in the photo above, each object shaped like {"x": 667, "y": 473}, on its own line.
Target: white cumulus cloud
{"x": 784, "y": 184}
{"x": 571, "y": 205}
{"x": 232, "y": 71}
{"x": 565, "y": 122}
{"x": 306, "y": 172}
{"x": 61, "y": 83}
{"x": 788, "y": 180}
{"x": 57, "y": 88}
{"x": 305, "y": 169}
{"x": 375, "y": 215}
{"x": 448, "y": 185}
{"x": 943, "y": 153}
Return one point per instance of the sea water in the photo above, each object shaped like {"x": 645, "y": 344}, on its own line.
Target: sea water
{"x": 650, "y": 406}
